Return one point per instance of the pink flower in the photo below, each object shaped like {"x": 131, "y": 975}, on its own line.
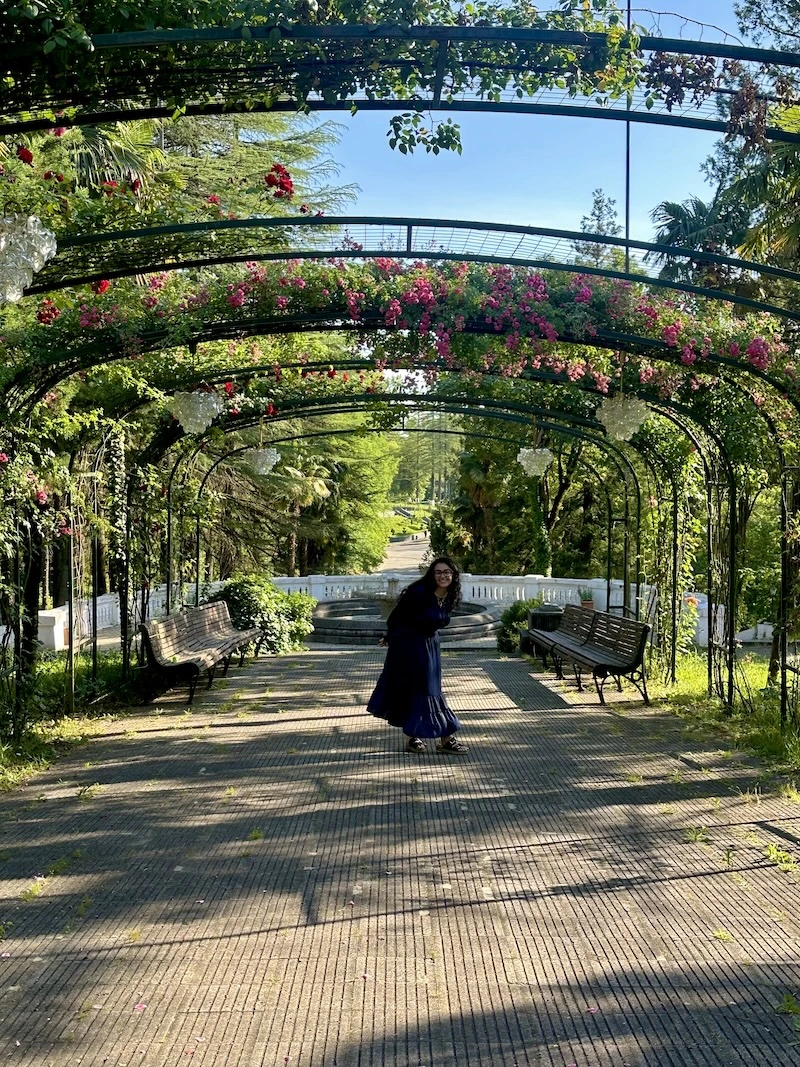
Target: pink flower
{"x": 282, "y": 301}
{"x": 3, "y": 457}
{"x": 670, "y": 334}
{"x": 758, "y": 353}
{"x": 58, "y": 131}
{"x": 583, "y": 295}
{"x": 40, "y": 497}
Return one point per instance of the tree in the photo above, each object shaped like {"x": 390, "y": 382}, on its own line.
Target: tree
{"x": 772, "y": 21}
{"x": 602, "y": 220}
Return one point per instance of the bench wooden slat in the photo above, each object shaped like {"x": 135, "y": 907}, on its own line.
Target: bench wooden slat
{"x": 195, "y": 640}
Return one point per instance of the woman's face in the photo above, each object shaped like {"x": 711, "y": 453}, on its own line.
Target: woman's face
{"x": 443, "y": 576}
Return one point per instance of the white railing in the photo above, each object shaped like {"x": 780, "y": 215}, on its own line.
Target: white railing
{"x": 482, "y": 589}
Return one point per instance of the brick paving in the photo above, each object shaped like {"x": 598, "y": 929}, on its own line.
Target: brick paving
{"x": 270, "y": 880}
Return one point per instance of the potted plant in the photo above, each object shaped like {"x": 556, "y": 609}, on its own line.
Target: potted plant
{"x": 587, "y": 598}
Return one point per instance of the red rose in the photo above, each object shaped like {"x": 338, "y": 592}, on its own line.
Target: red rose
{"x": 48, "y": 174}
{"x": 48, "y": 312}
{"x": 58, "y": 131}
{"x": 101, "y": 287}
{"x": 136, "y": 185}
{"x": 109, "y": 187}
{"x": 25, "y": 155}
{"x": 229, "y": 388}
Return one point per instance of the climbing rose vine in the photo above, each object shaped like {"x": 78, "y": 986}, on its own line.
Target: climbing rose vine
{"x": 468, "y": 317}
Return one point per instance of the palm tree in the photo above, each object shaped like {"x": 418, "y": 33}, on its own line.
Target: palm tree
{"x": 772, "y": 188}
{"x": 717, "y": 226}
{"x": 117, "y": 152}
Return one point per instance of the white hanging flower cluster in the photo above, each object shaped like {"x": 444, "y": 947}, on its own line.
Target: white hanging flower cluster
{"x": 195, "y": 411}
{"x": 535, "y": 461}
{"x": 622, "y": 416}
{"x": 262, "y": 460}
{"x": 25, "y": 247}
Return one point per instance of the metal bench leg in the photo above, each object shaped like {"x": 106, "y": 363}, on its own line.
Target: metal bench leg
{"x": 242, "y": 653}
{"x": 578, "y": 678}
{"x": 211, "y": 672}
{"x": 558, "y": 666}
{"x": 193, "y": 685}
{"x": 599, "y": 686}
{"x": 225, "y": 664}
{"x": 641, "y": 685}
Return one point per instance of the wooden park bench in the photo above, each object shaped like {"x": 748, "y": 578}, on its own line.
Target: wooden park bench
{"x": 607, "y": 645}
{"x": 182, "y": 646}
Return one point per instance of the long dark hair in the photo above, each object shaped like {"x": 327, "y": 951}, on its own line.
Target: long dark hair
{"x": 428, "y": 580}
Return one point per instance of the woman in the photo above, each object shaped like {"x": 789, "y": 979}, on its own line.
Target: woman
{"x": 409, "y": 690}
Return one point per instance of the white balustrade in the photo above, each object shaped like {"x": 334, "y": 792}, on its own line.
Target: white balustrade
{"x": 483, "y": 589}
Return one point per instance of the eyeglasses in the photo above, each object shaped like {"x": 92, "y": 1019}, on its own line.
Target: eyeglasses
{"x": 443, "y": 574}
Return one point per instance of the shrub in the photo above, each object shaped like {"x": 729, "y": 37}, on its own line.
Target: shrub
{"x": 510, "y": 622}
{"x": 283, "y": 618}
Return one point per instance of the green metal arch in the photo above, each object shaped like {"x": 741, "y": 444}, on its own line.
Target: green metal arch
{"x": 263, "y": 75}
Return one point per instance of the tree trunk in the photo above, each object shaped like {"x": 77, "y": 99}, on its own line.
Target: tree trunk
{"x": 31, "y": 584}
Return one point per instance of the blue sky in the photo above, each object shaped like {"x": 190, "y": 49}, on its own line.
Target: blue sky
{"x": 538, "y": 170}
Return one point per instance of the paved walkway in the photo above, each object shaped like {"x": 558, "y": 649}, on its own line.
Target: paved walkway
{"x": 269, "y": 880}
{"x": 405, "y": 557}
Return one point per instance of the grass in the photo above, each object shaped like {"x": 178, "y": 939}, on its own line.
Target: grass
{"x": 696, "y": 833}
{"x": 784, "y": 860}
{"x": 44, "y": 743}
{"x": 752, "y": 726}
{"x": 49, "y": 731}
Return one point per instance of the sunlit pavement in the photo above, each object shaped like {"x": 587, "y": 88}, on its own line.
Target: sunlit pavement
{"x": 269, "y": 879}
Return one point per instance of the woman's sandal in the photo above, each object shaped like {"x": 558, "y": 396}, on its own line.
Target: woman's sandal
{"x": 452, "y": 744}
{"x": 415, "y": 744}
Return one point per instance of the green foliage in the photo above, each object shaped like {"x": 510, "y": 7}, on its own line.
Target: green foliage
{"x": 510, "y": 622}
{"x": 283, "y": 618}
{"x": 51, "y": 57}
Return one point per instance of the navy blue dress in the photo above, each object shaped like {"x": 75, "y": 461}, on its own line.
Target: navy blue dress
{"x": 409, "y": 691}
